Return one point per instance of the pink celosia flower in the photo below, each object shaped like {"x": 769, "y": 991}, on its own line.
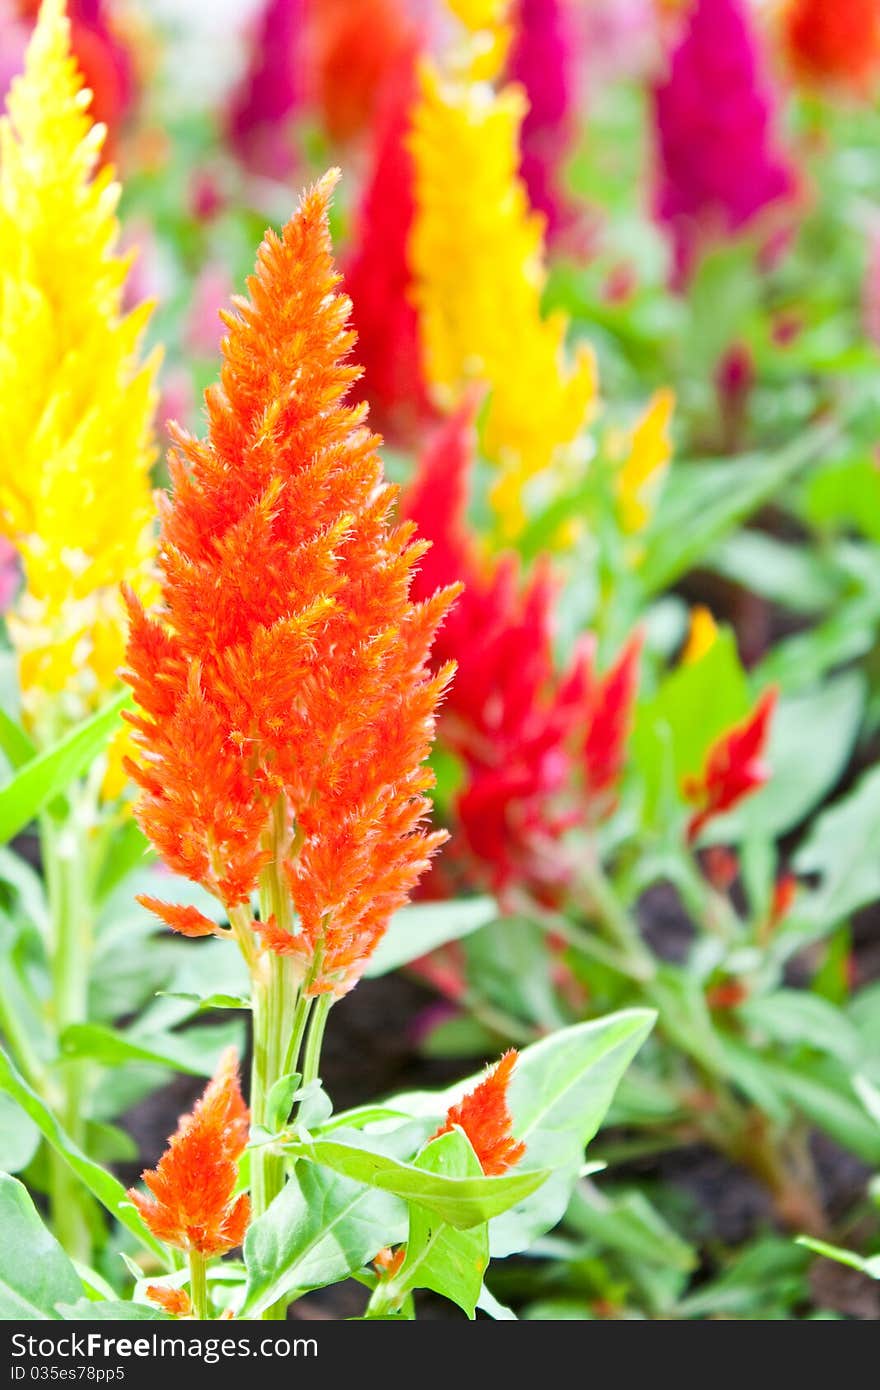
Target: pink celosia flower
{"x": 271, "y": 92}
{"x": 203, "y": 329}
{"x": 543, "y": 61}
{"x": 719, "y": 164}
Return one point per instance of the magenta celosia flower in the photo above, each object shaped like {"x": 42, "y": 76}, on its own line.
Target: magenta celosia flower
{"x": 719, "y": 163}
{"x": 271, "y": 92}
{"x": 543, "y": 61}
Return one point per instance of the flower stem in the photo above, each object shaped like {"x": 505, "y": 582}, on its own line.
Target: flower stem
{"x": 198, "y": 1285}
{"x": 312, "y": 1059}
{"x": 65, "y": 847}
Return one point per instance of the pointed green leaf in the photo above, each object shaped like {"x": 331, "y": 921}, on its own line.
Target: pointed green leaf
{"x": 35, "y": 1273}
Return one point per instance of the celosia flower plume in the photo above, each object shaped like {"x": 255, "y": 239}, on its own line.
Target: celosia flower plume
{"x": 834, "y": 43}
{"x": 735, "y": 767}
{"x": 718, "y": 157}
{"x": 644, "y": 468}
{"x": 477, "y": 255}
{"x": 542, "y": 61}
{"x": 286, "y": 703}
{"x": 542, "y": 749}
{"x": 272, "y": 90}
{"x": 192, "y": 1205}
{"x": 378, "y": 275}
{"x": 354, "y": 46}
{"x": 484, "y": 1116}
{"x": 75, "y": 401}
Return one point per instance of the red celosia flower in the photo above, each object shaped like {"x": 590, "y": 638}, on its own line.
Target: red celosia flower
{"x": 835, "y": 42}
{"x": 734, "y": 767}
{"x": 728, "y": 994}
{"x": 174, "y": 1301}
{"x": 355, "y": 45}
{"x": 486, "y": 1120}
{"x": 193, "y": 1206}
{"x": 520, "y": 726}
{"x": 286, "y": 703}
{"x": 388, "y": 1261}
{"x": 378, "y": 275}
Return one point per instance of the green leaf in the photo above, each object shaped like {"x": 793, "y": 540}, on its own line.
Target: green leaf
{"x": 843, "y": 848}
{"x": 17, "y": 745}
{"x": 798, "y": 1018}
{"x": 19, "y": 1136}
{"x": 280, "y": 1100}
{"x": 559, "y": 1093}
{"x": 460, "y": 1201}
{"x": 507, "y": 965}
{"x": 35, "y": 1273}
{"x": 115, "y": 1310}
{"x": 416, "y": 930}
{"x": 694, "y": 704}
{"x": 797, "y": 783}
{"x": 702, "y": 501}
{"x": 869, "y": 1266}
{"x": 846, "y": 491}
{"x": 789, "y": 575}
{"x": 102, "y": 1185}
{"x": 50, "y": 773}
{"x": 195, "y": 1052}
{"x": 320, "y": 1229}
{"x": 439, "y": 1257}
{"x": 627, "y": 1222}
{"x": 206, "y": 1002}
{"x": 821, "y": 1089}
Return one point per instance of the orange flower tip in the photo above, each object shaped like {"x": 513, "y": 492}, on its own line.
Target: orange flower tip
{"x": 278, "y": 940}
{"x": 192, "y": 1203}
{"x": 174, "y": 1301}
{"x": 484, "y": 1117}
{"x": 188, "y": 921}
{"x": 388, "y": 1262}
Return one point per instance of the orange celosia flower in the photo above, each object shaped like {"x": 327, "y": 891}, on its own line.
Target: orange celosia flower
{"x": 485, "y": 1119}
{"x": 193, "y": 1206}
{"x": 286, "y": 703}
{"x": 355, "y": 44}
{"x": 174, "y": 1301}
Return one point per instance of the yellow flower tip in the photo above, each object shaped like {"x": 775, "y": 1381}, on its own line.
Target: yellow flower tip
{"x": 642, "y": 474}
{"x": 76, "y": 403}
{"x": 702, "y": 635}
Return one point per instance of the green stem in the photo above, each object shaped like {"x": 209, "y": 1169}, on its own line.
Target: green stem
{"x": 66, "y": 856}
{"x": 312, "y": 1059}
{"x": 198, "y": 1285}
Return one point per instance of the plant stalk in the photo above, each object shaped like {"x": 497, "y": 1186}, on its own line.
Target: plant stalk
{"x": 198, "y": 1285}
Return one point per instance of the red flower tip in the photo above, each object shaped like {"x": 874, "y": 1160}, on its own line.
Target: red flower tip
{"x": 729, "y": 994}
{"x": 610, "y": 717}
{"x": 174, "y": 1301}
{"x": 734, "y": 767}
{"x": 784, "y": 894}
{"x": 188, "y": 921}
{"x": 192, "y": 1205}
{"x": 486, "y": 1120}
{"x": 388, "y": 1261}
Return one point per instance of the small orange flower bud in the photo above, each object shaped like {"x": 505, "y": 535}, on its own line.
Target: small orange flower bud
{"x": 192, "y": 1205}
{"x": 486, "y": 1120}
{"x": 174, "y": 1301}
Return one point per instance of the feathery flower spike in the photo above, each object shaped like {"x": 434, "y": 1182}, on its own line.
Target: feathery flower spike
{"x": 477, "y": 256}
{"x": 378, "y": 275}
{"x": 734, "y": 767}
{"x": 542, "y": 61}
{"x": 610, "y": 708}
{"x": 355, "y": 45}
{"x": 484, "y": 1116}
{"x": 271, "y": 91}
{"x": 836, "y": 44}
{"x": 192, "y": 1205}
{"x": 702, "y": 635}
{"x": 75, "y": 401}
{"x": 286, "y": 703}
{"x": 173, "y": 1301}
{"x": 719, "y": 164}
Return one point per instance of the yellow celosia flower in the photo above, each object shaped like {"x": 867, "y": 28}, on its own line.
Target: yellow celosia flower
{"x": 75, "y": 401}
{"x": 477, "y": 256}
{"x": 643, "y": 471}
{"x": 489, "y": 37}
{"x": 702, "y": 636}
